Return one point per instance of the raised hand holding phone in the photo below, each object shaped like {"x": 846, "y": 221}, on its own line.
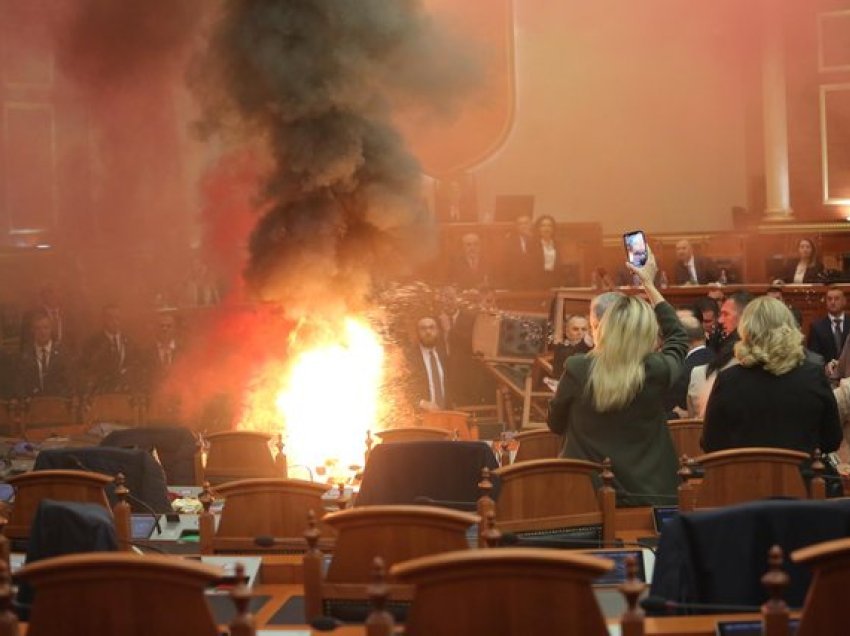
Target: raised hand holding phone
{"x": 636, "y": 247}
{"x": 646, "y": 274}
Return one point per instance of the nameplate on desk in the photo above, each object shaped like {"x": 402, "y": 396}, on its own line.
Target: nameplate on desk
{"x": 748, "y": 628}
{"x": 661, "y": 515}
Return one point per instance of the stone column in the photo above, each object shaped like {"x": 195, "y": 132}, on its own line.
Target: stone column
{"x": 774, "y": 107}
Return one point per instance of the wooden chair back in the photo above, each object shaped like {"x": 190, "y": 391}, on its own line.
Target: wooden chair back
{"x": 537, "y": 444}
{"x": 413, "y": 434}
{"x": 114, "y": 408}
{"x": 394, "y": 533}
{"x": 120, "y": 594}
{"x": 825, "y": 607}
{"x": 451, "y": 421}
{"x": 236, "y": 455}
{"x": 63, "y": 485}
{"x": 739, "y": 475}
{"x": 686, "y": 435}
{"x": 554, "y": 494}
{"x": 475, "y": 592}
{"x": 274, "y": 508}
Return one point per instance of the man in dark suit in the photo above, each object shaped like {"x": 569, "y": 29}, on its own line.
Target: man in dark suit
{"x": 109, "y": 357}
{"x": 828, "y": 334}
{"x": 676, "y": 400}
{"x": 518, "y": 255}
{"x": 692, "y": 269}
{"x": 428, "y": 388}
{"x": 43, "y": 366}
{"x": 576, "y": 340}
{"x": 456, "y": 325}
{"x": 472, "y": 267}
{"x": 160, "y": 355}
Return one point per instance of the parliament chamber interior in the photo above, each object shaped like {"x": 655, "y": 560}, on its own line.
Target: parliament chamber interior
{"x": 500, "y": 317}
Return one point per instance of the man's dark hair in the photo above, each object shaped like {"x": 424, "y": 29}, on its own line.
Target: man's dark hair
{"x": 704, "y": 304}
{"x": 741, "y": 300}
{"x": 727, "y": 349}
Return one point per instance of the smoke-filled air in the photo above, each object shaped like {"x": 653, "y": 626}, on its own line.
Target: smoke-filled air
{"x": 313, "y": 82}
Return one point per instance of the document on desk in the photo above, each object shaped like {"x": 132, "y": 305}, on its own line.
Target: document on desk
{"x": 228, "y": 564}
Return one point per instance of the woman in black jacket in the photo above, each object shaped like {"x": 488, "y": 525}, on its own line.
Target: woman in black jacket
{"x": 807, "y": 268}
{"x": 773, "y": 397}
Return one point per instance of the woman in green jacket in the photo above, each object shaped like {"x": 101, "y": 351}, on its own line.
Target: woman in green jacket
{"x": 610, "y": 402}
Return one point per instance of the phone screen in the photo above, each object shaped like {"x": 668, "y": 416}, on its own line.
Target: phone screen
{"x": 635, "y": 243}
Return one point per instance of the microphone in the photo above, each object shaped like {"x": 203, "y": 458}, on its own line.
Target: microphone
{"x": 661, "y": 604}
{"x": 325, "y": 623}
{"x": 554, "y": 541}
{"x": 464, "y": 506}
{"x": 265, "y": 541}
{"x": 130, "y": 496}
{"x": 288, "y": 544}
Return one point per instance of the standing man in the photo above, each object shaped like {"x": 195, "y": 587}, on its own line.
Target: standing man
{"x": 828, "y": 334}
{"x": 692, "y": 269}
{"x": 518, "y": 255}
{"x": 163, "y": 352}
{"x": 428, "y": 386}
{"x": 42, "y": 368}
{"x": 471, "y": 268}
{"x": 109, "y": 356}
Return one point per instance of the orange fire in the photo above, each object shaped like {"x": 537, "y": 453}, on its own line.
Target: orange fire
{"x": 331, "y": 396}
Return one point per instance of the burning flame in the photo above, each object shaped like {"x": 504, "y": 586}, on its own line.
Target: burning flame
{"x": 331, "y": 396}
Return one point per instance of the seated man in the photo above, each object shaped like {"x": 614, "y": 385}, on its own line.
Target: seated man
{"x": 692, "y": 269}
{"x": 576, "y": 340}
{"x": 677, "y": 396}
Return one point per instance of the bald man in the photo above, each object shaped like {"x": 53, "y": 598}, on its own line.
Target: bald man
{"x": 692, "y": 269}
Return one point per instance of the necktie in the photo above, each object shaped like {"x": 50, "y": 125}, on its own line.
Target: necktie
{"x": 437, "y": 381}
{"x": 693, "y": 268}
{"x": 836, "y": 334}
{"x": 43, "y": 360}
{"x": 117, "y": 350}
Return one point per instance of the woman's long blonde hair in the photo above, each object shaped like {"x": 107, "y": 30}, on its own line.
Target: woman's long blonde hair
{"x": 769, "y": 337}
{"x": 627, "y": 334}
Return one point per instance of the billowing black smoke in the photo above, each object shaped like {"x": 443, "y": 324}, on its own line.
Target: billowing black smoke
{"x": 314, "y": 81}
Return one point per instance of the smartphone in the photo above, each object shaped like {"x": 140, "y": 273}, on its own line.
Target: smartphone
{"x": 635, "y": 243}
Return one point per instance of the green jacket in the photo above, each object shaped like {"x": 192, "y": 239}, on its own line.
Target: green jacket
{"x": 635, "y": 437}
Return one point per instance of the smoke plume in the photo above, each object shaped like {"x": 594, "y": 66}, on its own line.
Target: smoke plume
{"x": 315, "y": 80}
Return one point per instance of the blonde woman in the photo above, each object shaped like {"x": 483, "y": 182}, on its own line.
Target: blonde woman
{"x": 610, "y": 402}
{"x": 773, "y": 396}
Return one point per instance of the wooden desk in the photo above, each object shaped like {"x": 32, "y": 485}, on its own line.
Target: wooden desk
{"x": 809, "y": 299}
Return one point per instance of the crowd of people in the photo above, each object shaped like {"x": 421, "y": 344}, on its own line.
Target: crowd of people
{"x": 56, "y": 357}
{"x": 528, "y": 257}
{"x": 622, "y": 370}
{"x": 743, "y": 366}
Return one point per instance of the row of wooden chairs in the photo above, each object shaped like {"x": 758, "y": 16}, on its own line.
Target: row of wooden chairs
{"x": 45, "y": 415}
{"x": 537, "y": 496}
{"x": 456, "y": 592}
{"x": 474, "y": 592}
